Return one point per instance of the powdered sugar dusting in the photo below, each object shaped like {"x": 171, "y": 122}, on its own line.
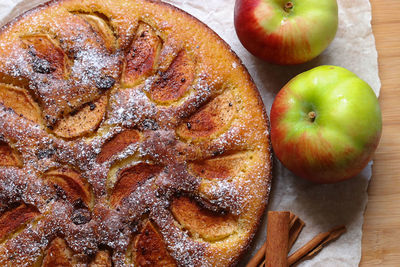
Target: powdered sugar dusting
{"x": 81, "y": 70}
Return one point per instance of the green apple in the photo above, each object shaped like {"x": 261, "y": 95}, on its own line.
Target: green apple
{"x": 286, "y": 31}
{"x": 325, "y": 124}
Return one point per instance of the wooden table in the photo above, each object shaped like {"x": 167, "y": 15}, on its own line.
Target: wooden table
{"x": 381, "y": 231}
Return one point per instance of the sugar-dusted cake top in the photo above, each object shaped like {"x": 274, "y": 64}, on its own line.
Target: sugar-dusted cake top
{"x": 130, "y": 134}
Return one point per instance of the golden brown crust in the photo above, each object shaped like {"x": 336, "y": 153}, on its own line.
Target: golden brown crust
{"x": 118, "y": 109}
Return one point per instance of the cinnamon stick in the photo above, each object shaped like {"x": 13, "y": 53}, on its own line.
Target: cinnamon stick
{"x": 277, "y": 239}
{"x": 316, "y": 244}
{"x": 257, "y": 258}
{"x": 296, "y": 226}
{"x": 292, "y": 216}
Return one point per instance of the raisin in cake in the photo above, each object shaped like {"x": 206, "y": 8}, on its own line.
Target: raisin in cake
{"x": 130, "y": 135}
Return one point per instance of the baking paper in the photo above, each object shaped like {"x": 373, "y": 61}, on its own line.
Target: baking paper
{"x": 320, "y": 206}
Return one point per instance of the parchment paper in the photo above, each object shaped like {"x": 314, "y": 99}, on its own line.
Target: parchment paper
{"x": 320, "y": 206}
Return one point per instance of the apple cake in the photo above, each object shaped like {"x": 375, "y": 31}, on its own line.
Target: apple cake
{"x": 130, "y": 135}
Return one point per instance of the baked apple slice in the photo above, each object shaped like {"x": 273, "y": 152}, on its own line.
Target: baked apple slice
{"x": 8, "y": 156}
{"x": 84, "y": 121}
{"x": 221, "y": 167}
{"x": 102, "y": 259}
{"x": 211, "y": 120}
{"x": 47, "y": 57}
{"x": 14, "y": 219}
{"x": 150, "y": 249}
{"x": 171, "y": 85}
{"x": 68, "y": 182}
{"x": 130, "y": 179}
{"x": 201, "y": 222}
{"x": 100, "y": 24}
{"x": 142, "y": 57}
{"x": 58, "y": 254}
{"x": 117, "y": 144}
{"x": 20, "y": 101}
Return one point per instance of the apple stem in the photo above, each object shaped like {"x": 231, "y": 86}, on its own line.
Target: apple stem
{"x": 312, "y": 116}
{"x": 288, "y": 6}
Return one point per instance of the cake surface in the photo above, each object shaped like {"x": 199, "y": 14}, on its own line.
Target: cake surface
{"x": 130, "y": 135}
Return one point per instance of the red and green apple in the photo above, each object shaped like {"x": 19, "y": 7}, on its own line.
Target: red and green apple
{"x": 325, "y": 124}
{"x": 286, "y": 32}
